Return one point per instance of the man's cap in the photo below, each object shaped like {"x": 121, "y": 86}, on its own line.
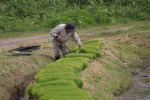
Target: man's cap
{"x": 71, "y": 26}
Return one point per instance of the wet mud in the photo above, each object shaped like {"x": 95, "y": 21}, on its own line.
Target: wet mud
{"x": 141, "y": 86}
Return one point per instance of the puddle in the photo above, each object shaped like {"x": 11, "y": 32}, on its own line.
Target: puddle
{"x": 141, "y": 88}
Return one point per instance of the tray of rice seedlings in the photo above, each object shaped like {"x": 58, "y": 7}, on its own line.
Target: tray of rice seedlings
{"x": 89, "y": 45}
{"x": 75, "y": 66}
{"x": 49, "y": 83}
{"x": 75, "y": 61}
{"x": 39, "y": 78}
{"x": 68, "y": 93}
{"x": 58, "y": 80}
{"x": 86, "y": 55}
{"x": 71, "y": 60}
{"x": 56, "y": 69}
{"x": 58, "y": 92}
{"x": 94, "y": 42}
{"x": 90, "y": 50}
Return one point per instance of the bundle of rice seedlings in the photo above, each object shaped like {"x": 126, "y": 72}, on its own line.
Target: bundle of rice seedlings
{"x": 64, "y": 76}
{"x": 50, "y": 83}
{"x": 53, "y": 74}
{"x": 59, "y": 92}
{"x": 58, "y": 80}
{"x": 56, "y": 70}
{"x": 97, "y": 53}
{"x": 86, "y": 55}
{"x": 75, "y": 61}
{"x": 76, "y": 66}
{"x": 93, "y": 44}
{"x": 80, "y": 59}
{"x": 69, "y": 61}
{"x": 75, "y": 49}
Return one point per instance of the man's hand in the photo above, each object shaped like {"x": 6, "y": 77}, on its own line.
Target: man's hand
{"x": 80, "y": 46}
{"x": 58, "y": 37}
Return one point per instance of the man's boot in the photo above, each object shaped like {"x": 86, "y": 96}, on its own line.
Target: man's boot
{"x": 56, "y": 58}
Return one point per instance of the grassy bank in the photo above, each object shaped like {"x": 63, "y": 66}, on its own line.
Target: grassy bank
{"x": 105, "y": 77}
{"x": 111, "y": 75}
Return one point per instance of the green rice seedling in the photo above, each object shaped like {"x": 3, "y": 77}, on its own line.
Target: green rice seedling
{"x": 86, "y": 46}
{"x": 86, "y": 55}
{"x": 50, "y": 83}
{"x": 92, "y": 46}
{"x": 98, "y": 54}
{"x": 75, "y": 66}
{"x": 56, "y": 80}
{"x": 40, "y": 78}
{"x": 94, "y": 42}
{"x": 75, "y": 61}
{"x": 29, "y": 89}
{"x": 73, "y": 95}
{"x": 71, "y": 60}
{"x": 80, "y": 59}
{"x": 53, "y": 74}
{"x": 56, "y": 70}
{"x": 75, "y": 49}
{"x": 59, "y": 92}
{"x": 89, "y": 48}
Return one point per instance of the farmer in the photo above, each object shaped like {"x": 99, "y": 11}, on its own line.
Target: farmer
{"x": 61, "y": 34}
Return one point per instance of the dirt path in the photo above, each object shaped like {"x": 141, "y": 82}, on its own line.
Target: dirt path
{"x": 10, "y": 42}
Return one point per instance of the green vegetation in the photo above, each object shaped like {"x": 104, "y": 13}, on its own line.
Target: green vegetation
{"x": 90, "y": 47}
{"x": 105, "y": 77}
{"x": 59, "y": 92}
{"x": 19, "y": 16}
{"x": 59, "y": 80}
{"x": 102, "y": 78}
{"x": 86, "y": 55}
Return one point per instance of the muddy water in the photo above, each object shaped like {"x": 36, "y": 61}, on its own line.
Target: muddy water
{"x": 141, "y": 88}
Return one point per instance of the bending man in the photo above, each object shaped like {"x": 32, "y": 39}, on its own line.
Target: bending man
{"x": 61, "y": 34}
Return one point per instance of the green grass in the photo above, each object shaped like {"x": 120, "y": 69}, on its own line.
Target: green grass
{"x": 90, "y": 47}
{"x": 86, "y": 55}
{"x": 65, "y": 92}
{"x": 57, "y": 76}
{"x": 103, "y": 77}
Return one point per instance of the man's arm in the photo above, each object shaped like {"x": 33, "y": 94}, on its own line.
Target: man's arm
{"x": 55, "y": 31}
{"x": 77, "y": 39}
